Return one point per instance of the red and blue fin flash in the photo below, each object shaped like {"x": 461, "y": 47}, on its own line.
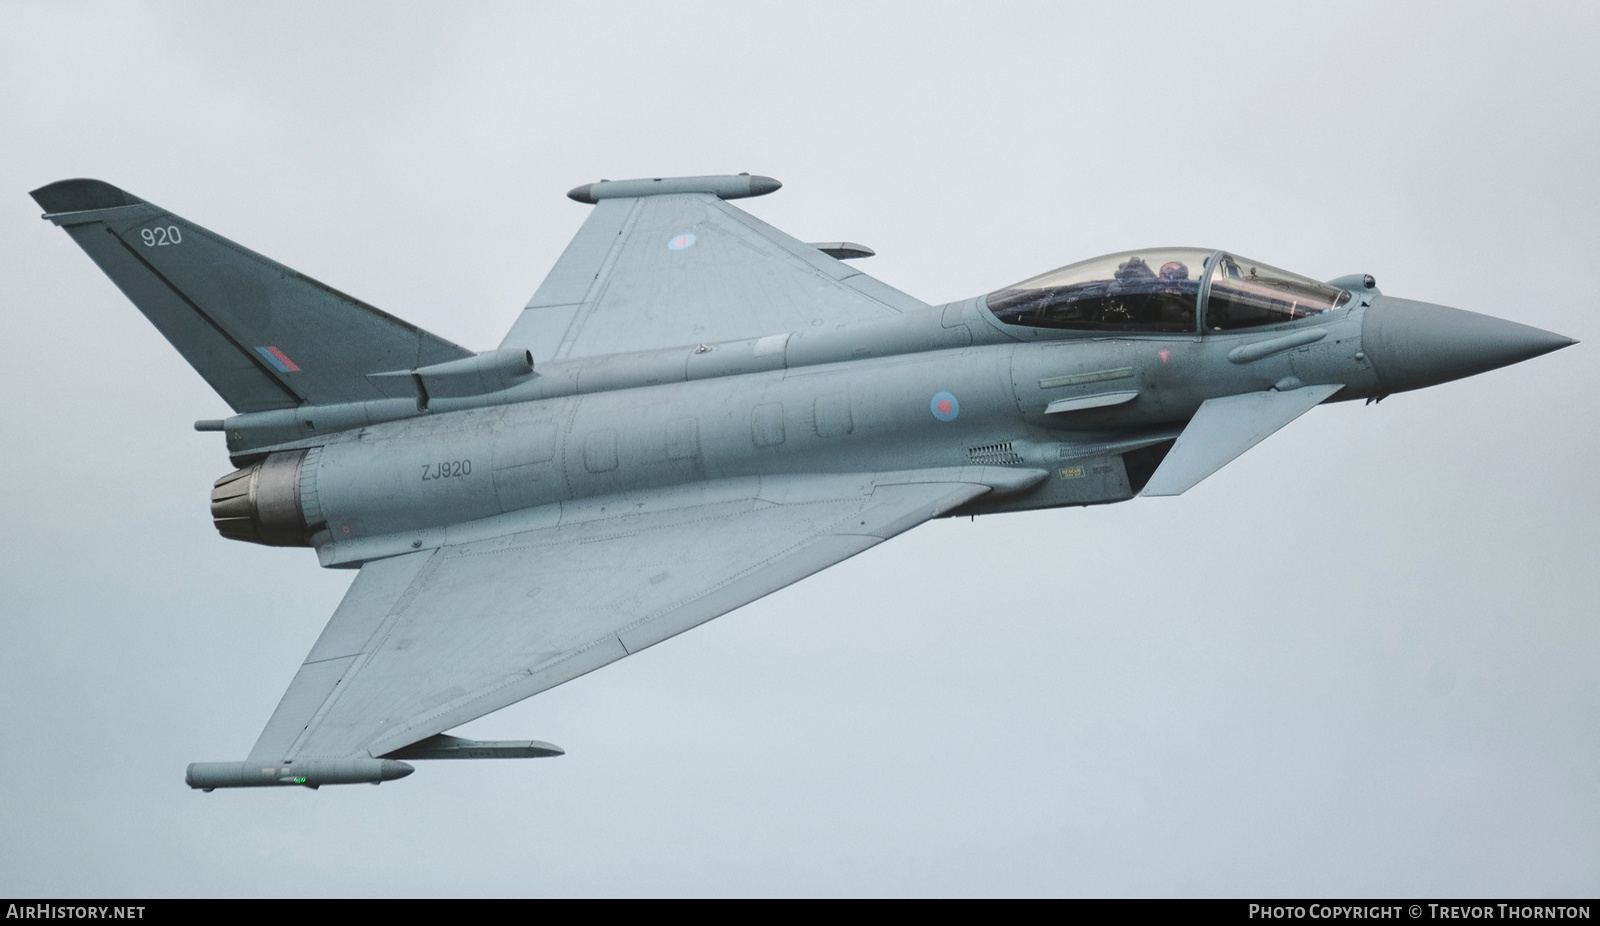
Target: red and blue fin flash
{"x": 279, "y": 360}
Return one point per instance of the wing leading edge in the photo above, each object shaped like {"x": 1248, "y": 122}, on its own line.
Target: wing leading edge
{"x": 429, "y": 640}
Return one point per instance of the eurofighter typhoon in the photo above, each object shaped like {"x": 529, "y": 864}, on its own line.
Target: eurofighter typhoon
{"x": 696, "y": 410}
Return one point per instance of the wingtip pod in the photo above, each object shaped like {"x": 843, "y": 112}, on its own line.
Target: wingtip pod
{"x": 309, "y": 773}
{"x": 723, "y": 186}
{"x": 81, "y": 195}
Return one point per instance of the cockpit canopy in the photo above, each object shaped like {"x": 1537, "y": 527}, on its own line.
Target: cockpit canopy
{"x": 1164, "y": 289}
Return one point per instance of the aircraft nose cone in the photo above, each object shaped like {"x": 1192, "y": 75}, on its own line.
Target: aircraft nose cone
{"x": 1417, "y": 344}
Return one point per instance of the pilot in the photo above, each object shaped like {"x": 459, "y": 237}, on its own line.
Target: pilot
{"x": 1129, "y": 286}
{"x": 1177, "y": 297}
{"x": 1134, "y": 271}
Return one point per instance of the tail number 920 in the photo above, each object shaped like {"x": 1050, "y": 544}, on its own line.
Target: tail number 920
{"x": 161, "y": 237}
{"x": 446, "y": 469}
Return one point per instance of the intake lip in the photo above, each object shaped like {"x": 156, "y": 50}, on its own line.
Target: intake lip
{"x": 1417, "y": 344}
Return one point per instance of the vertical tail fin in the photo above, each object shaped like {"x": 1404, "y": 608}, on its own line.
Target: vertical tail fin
{"x": 261, "y": 334}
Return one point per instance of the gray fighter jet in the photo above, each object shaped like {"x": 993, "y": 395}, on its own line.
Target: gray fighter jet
{"x": 694, "y": 411}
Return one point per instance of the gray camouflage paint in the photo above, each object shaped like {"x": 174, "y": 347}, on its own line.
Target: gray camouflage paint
{"x": 458, "y": 439}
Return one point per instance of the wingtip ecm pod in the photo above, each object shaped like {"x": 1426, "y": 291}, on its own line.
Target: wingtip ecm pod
{"x": 722, "y": 186}
{"x": 306, "y": 773}
{"x": 314, "y": 773}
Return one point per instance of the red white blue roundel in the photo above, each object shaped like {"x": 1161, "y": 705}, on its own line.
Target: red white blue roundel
{"x": 945, "y": 407}
{"x": 684, "y": 240}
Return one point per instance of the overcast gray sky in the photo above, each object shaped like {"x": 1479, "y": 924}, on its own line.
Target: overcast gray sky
{"x": 1361, "y": 660}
